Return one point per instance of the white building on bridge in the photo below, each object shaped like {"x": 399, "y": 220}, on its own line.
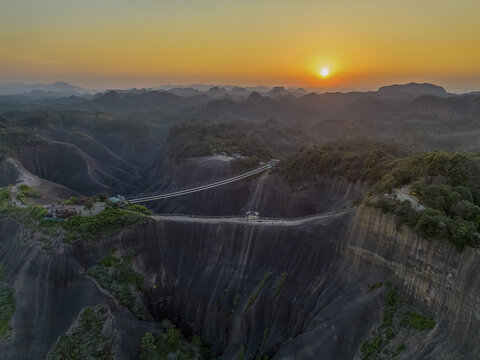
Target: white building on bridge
{"x": 252, "y": 215}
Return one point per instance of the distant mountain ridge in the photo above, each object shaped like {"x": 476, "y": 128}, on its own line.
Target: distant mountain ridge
{"x": 64, "y": 89}
{"x": 119, "y": 102}
{"x": 59, "y": 88}
{"x": 411, "y": 90}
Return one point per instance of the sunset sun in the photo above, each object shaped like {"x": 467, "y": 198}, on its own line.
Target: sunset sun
{"x": 324, "y": 71}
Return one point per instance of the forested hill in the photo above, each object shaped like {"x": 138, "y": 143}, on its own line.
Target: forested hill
{"x": 417, "y": 116}
{"x": 446, "y": 183}
{"x": 262, "y": 140}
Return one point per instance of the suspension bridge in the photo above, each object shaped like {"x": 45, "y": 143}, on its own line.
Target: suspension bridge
{"x": 256, "y": 171}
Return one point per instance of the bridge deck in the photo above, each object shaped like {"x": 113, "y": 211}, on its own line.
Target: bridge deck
{"x": 203, "y": 187}
{"x": 243, "y": 220}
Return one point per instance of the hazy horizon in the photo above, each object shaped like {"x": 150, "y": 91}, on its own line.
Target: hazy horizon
{"x": 249, "y": 86}
{"x": 119, "y": 44}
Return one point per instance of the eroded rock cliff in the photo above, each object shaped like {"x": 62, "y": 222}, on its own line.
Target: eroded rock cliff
{"x": 298, "y": 291}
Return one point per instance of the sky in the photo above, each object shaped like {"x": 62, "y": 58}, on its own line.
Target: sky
{"x": 145, "y": 43}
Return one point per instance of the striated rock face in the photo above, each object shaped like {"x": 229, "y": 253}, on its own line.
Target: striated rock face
{"x": 67, "y": 164}
{"x": 88, "y": 155}
{"x": 8, "y": 173}
{"x": 294, "y": 292}
{"x": 208, "y": 278}
{"x": 51, "y": 290}
{"x": 224, "y": 282}
{"x": 432, "y": 273}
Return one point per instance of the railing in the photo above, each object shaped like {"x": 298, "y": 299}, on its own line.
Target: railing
{"x": 203, "y": 187}
{"x": 265, "y": 219}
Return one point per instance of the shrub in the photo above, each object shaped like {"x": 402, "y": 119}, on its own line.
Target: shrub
{"x": 370, "y": 348}
{"x": 375, "y": 286}
{"x": 241, "y": 354}
{"x": 71, "y": 201}
{"x": 172, "y": 344}
{"x": 7, "y": 303}
{"x": 281, "y": 284}
{"x": 173, "y": 337}
{"x": 399, "y": 349}
{"x": 148, "y": 342}
{"x": 26, "y": 191}
{"x": 139, "y": 208}
{"x": 107, "y": 221}
{"x": 254, "y": 297}
{"x": 86, "y": 340}
{"x": 420, "y": 322}
{"x": 392, "y": 301}
{"x": 432, "y": 223}
{"x": 463, "y": 233}
{"x": 116, "y": 275}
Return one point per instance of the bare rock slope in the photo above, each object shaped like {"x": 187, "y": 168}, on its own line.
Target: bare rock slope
{"x": 294, "y": 292}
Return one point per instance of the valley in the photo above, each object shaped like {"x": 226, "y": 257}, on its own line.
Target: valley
{"x": 334, "y": 263}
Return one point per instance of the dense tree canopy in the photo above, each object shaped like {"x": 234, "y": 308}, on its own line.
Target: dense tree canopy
{"x": 446, "y": 183}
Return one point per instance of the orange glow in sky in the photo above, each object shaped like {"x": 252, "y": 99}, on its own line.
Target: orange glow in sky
{"x": 115, "y": 43}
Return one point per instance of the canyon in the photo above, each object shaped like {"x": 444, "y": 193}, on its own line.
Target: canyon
{"x": 203, "y": 275}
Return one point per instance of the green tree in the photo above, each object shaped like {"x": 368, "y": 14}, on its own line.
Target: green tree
{"x": 173, "y": 337}
{"x": 436, "y": 196}
{"x": 148, "y": 342}
{"x": 89, "y": 203}
{"x": 463, "y": 233}
{"x": 196, "y": 341}
{"x": 453, "y": 198}
{"x": 438, "y": 164}
{"x": 416, "y": 188}
{"x": 465, "y": 192}
{"x": 432, "y": 224}
{"x": 402, "y": 176}
{"x": 459, "y": 175}
{"x": 406, "y": 213}
{"x": 465, "y": 209}
{"x": 72, "y": 201}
